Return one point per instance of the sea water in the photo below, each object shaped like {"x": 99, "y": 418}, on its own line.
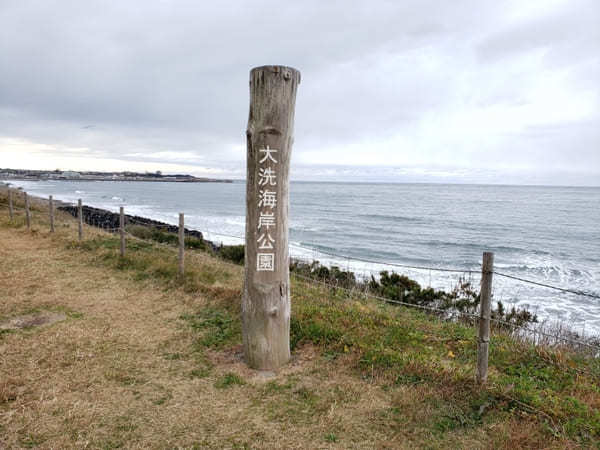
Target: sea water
{"x": 545, "y": 234}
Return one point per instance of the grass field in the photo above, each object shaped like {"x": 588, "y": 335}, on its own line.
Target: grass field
{"x": 132, "y": 357}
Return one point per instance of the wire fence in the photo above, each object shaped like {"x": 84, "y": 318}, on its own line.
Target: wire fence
{"x": 452, "y": 314}
{"x": 470, "y": 275}
{"x": 549, "y": 286}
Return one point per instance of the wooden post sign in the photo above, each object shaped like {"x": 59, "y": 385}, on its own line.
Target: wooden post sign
{"x": 485, "y": 311}
{"x": 269, "y": 138}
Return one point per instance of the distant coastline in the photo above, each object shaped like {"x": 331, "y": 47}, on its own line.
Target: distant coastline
{"x": 58, "y": 175}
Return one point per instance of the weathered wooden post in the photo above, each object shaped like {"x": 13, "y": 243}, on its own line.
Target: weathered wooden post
{"x": 11, "y": 212}
{"x": 27, "y": 213}
{"x": 485, "y": 306}
{"x": 51, "y": 213}
{"x": 122, "y": 229}
{"x": 80, "y": 219}
{"x": 181, "y": 244}
{"x": 269, "y": 138}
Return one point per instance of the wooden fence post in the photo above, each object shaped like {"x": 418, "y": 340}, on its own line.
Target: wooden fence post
{"x": 269, "y": 137}
{"x": 80, "y": 217}
{"x": 27, "y": 213}
{"x": 122, "y": 229}
{"x": 11, "y": 212}
{"x": 51, "y": 213}
{"x": 485, "y": 306}
{"x": 181, "y": 244}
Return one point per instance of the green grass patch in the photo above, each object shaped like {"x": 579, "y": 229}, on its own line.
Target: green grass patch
{"x": 331, "y": 437}
{"x": 233, "y": 253}
{"x": 203, "y": 372}
{"x": 228, "y": 380}
{"x": 399, "y": 349}
{"x": 165, "y": 237}
{"x": 217, "y": 328}
{"x": 144, "y": 260}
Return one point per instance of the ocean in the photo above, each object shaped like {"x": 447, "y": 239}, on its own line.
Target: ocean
{"x": 546, "y": 234}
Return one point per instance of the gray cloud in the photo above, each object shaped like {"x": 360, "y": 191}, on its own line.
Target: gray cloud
{"x": 444, "y": 90}
{"x": 567, "y": 34}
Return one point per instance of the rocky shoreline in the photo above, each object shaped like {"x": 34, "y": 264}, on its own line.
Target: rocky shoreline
{"x": 57, "y": 175}
{"x": 105, "y": 219}
{"x": 108, "y": 220}
{"x": 102, "y": 218}
{"x": 462, "y": 299}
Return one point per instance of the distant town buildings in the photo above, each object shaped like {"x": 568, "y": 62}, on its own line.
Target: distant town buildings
{"x": 70, "y": 175}
{"x": 22, "y": 174}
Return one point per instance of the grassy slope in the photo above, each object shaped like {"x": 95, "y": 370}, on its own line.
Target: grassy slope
{"x": 145, "y": 361}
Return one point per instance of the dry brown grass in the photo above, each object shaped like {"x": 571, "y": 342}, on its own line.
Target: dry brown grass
{"x": 124, "y": 370}
{"x": 120, "y": 370}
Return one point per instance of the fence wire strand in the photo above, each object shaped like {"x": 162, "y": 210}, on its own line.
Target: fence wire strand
{"x": 454, "y": 313}
{"x": 537, "y": 283}
{"x": 451, "y": 313}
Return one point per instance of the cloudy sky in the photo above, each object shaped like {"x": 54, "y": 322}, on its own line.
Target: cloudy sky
{"x": 434, "y": 91}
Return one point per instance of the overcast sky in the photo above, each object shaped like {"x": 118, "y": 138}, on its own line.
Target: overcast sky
{"x": 434, "y": 91}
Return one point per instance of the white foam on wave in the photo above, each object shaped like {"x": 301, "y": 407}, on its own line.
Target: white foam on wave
{"x": 222, "y": 239}
{"x": 238, "y": 221}
{"x": 576, "y": 310}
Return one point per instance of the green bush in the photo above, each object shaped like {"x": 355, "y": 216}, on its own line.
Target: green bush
{"x": 233, "y": 253}
{"x": 462, "y": 299}
{"x": 165, "y": 237}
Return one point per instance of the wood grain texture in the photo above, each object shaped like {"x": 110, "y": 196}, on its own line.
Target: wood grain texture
{"x": 266, "y": 299}
{"x": 485, "y": 306}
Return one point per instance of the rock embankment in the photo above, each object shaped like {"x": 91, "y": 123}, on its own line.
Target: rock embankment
{"x": 106, "y": 219}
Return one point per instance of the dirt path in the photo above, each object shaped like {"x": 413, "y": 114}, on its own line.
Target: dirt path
{"x": 121, "y": 370}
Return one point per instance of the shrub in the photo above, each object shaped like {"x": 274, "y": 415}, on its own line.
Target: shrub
{"x": 233, "y": 253}
{"x": 463, "y": 298}
{"x": 165, "y": 237}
